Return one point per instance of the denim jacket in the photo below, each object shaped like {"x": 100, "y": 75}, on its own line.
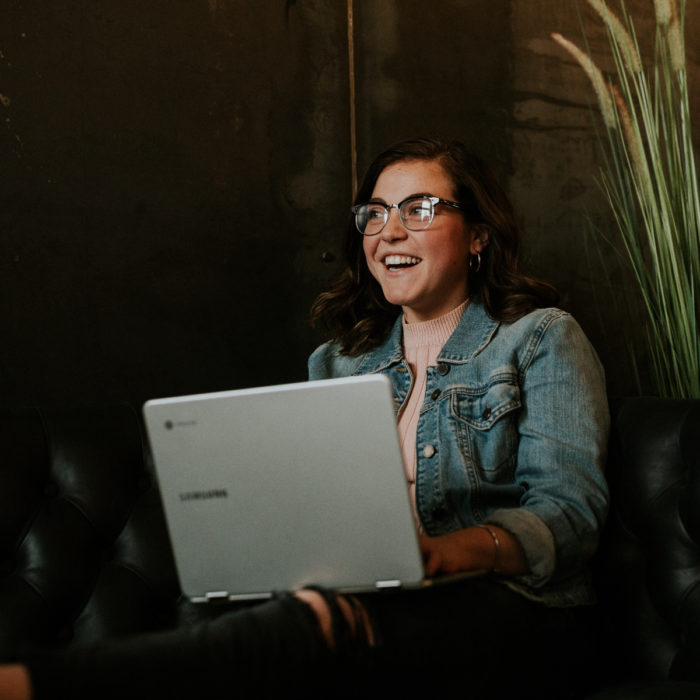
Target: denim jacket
{"x": 513, "y": 431}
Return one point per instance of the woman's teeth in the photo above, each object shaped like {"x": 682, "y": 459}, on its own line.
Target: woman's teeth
{"x": 394, "y": 262}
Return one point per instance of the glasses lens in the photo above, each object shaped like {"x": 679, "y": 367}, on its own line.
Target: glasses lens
{"x": 417, "y": 213}
{"x": 370, "y": 218}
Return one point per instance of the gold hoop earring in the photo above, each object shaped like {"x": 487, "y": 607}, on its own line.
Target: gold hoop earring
{"x": 478, "y": 262}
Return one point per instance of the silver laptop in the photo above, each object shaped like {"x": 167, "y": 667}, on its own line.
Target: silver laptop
{"x": 274, "y": 488}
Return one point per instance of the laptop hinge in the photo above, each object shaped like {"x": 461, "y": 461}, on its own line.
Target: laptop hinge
{"x": 391, "y": 583}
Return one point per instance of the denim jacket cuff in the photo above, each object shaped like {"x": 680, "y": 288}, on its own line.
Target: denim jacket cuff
{"x": 534, "y": 537}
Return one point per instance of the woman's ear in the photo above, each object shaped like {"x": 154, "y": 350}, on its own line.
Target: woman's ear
{"x": 480, "y": 239}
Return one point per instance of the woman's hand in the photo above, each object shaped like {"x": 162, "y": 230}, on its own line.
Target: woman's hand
{"x": 473, "y": 549}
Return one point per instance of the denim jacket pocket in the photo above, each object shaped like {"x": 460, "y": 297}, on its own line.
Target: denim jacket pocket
{"x": 487, "y": 419}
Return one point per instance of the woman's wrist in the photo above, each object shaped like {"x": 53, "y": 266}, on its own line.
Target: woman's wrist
{"x": 496, "y": 547}
{"x": 507, "y": 554}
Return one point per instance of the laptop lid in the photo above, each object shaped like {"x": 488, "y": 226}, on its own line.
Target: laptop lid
{"x": 274, "y": 488}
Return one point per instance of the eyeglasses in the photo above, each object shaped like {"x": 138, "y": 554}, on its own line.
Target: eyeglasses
{"x": 416, "y": 213}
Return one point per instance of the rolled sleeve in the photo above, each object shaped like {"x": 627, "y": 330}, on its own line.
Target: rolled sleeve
{"x": 534, "y": 537}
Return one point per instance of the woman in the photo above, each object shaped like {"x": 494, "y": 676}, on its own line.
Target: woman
{"x": 503, "y": 421}
{"x": 501, "y": 409}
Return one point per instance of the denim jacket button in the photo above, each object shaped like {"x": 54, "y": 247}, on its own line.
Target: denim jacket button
{"x": 487, "y": 413}
{"x": 435, "y": 394}
{"x": 443, "y": 369}
{"x": 429, "y": 451}
{"x": 439, "y": 513}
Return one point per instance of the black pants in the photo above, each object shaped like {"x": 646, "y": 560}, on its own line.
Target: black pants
{"x": 477, "y": 638}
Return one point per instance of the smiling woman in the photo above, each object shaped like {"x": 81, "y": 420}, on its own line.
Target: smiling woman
{"x": 501, "y": 411}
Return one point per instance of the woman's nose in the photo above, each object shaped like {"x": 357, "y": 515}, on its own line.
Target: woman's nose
{"x": 393, "y": 229}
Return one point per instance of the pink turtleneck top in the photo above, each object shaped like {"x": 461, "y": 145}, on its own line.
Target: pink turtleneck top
{"x": 422, "y": 343}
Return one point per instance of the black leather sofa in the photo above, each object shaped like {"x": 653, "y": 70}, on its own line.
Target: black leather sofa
{"x": 84, "y": 552}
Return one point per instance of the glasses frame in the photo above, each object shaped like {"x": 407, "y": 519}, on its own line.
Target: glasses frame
{"x": 388, "y": 207}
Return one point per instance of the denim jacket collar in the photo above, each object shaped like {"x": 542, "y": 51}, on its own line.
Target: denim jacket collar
{"x": 472, "y": 335}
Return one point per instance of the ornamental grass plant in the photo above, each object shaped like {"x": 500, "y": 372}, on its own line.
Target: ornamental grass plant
{"x": 649, "y": 179}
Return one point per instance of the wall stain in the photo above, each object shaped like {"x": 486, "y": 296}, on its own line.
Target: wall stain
{"x": 287, "y": 9}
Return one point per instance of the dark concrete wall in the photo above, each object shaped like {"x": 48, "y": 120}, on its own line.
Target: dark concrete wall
{"x": 175, "y": 175}
{"x": 170, "y": 171}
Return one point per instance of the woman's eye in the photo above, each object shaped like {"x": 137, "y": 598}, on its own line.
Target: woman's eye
{"x": 418, "y": 212}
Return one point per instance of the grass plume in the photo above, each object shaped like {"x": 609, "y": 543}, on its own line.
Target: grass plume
{"x": 628, "y": 47}
{"x": 595, "y": 76}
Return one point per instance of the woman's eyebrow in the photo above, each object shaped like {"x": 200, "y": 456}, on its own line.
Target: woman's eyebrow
{"x": 418, "y": 194}
{"x": 381, "y": 200}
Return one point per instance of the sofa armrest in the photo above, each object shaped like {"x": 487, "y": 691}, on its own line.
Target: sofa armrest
{"x": 648, "y": 568}
{"x": 84, "y": 551}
